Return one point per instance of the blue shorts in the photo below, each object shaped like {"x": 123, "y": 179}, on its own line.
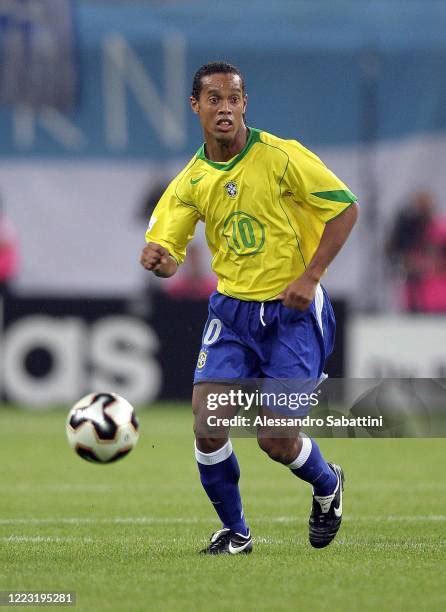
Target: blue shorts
{"x": 244, "y": 340}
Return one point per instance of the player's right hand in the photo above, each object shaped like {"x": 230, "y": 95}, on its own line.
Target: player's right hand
{"x": 153, "y": 256}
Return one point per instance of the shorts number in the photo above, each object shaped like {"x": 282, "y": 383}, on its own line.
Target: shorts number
{"x": 212, "y": 332}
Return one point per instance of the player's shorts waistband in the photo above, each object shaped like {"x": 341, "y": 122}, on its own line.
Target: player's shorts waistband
{"x": 250, "y": 318}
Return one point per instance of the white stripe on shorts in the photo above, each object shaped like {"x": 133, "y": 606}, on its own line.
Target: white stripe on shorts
{"x": 319, "y": 304}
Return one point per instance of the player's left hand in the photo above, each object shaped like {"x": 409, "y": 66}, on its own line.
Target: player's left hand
{"x": 300, "y": 293}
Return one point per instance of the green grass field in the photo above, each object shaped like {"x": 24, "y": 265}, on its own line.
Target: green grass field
{"x": 125, "y": 536}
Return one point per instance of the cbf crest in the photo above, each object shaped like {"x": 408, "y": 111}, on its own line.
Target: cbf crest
{"x": 202, "y": 359}
{"x": 231, "y": 189}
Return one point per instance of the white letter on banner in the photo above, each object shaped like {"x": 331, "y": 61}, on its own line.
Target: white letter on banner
{"x": 122, "y": 355}
{"x": 56, "y": 124}
{"x": 63, "y": 340}
{"x": 123, "y": 67}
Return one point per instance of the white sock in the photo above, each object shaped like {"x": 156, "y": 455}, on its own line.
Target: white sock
{"x": 303, "y": 454}
{"x": 216, "y": 457}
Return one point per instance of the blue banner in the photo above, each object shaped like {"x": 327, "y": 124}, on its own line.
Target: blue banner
{"x": 325, "y": 73}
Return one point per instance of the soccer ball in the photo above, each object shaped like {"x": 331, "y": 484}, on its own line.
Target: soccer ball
{"x": 102, "y": 427}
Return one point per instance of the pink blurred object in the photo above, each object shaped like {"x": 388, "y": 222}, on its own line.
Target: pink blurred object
{"x": 193, "y": 281}
{"x": 432, "y": 293}
{"x": 192, "y": 289}
{"x": 436, "y": 232}
{"x": 9, "y": 251}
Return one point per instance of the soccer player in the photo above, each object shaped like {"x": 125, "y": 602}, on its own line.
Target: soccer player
{"x": 275, "y": 217}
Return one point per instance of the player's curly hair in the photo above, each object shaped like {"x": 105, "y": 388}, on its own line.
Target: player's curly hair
{"x": 214, "y": 68}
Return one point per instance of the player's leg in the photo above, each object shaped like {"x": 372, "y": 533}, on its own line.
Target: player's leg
{"x": 224, "y": 357}
{"x": 303, "y": 457}
{"x": 219, "y": 469}
{"x": 281, "y": 444}
{"x": 298, "y": 452}
{"x": 300, "y": 348}
{"x": 326, "y": 513}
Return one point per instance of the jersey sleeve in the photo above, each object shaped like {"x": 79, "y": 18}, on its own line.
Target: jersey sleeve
{"x": 172, "y": 224}
{"x": 312, "y": 183}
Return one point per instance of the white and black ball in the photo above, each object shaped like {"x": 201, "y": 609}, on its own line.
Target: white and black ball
{"x": 102, "y": 427}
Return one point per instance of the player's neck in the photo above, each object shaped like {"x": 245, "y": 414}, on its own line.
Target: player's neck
{"x": 223, "y": 151}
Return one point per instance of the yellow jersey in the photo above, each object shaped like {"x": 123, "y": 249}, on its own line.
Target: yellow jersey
{"x": 264, "y": 213}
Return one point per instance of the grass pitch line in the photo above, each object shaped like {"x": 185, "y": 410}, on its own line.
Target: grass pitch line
{"x": 361, "y": 519}
{"x": 153, "y": 520}
{"x": 44, "y": 539}
{"x": 111, "y": 488}
{"x": 375, "y": 545}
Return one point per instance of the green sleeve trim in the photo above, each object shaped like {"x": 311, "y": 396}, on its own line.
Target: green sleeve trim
{"x": 340, "y": 195}
{"x": 254, "y": 136}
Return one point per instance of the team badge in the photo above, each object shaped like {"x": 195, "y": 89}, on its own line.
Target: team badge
{"x": 201, "y": 359}
{"x": 231, "y": 189}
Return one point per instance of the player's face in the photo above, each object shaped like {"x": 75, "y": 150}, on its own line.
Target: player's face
{"x": 221, "y": 106}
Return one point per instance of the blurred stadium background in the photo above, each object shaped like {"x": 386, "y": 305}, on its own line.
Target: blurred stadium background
{"x": 94, "y": 121}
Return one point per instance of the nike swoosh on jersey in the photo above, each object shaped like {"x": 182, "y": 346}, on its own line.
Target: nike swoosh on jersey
{"x": 195, "y": 181}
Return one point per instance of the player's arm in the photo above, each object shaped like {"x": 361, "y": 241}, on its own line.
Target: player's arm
{"x": 171, "y": 227}
{"x": 300, "y": 293}
{"x": 334, "y": 209}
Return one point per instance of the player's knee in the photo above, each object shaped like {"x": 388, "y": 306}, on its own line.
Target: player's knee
{"x": 209, "y": 445}
{"x": 204, "y": 431}
{"x": 196, "y": 407}
{"x": 270, "y": 447}
{"x": 278, "y": 449}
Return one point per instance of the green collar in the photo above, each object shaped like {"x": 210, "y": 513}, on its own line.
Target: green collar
{"x": 254, "y": 136}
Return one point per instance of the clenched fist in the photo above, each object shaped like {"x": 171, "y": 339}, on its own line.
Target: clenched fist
{"x": 300, "y": 293}
{"x": 156, "y": 258}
